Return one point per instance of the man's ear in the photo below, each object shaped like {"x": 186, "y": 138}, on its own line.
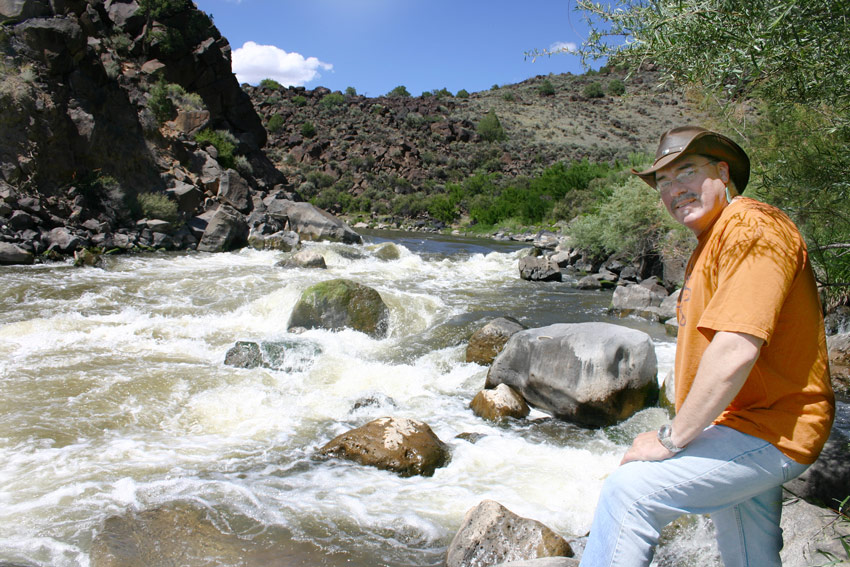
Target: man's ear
{"x": 723, "y": 169}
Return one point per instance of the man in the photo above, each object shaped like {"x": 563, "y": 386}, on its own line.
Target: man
{"x": 754, "y": 404}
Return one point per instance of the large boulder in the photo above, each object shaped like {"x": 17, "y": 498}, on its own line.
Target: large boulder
{"x": 340, "y": 303}
{"x": 234, "y": 190}
{"x": 491, "y": 534}
{"x": 404, "y": 446}
{"x": 227, "y": 230}
{"x": 311, "y": 222}
{"x": 13, "y": 254}
{"x": 306, "y": 259}
{"x": 809, "y": 533}
{"x": 499, "y": 403}
{"x": 839, "y": 362}
{"x": 539, "y": 269}
{"x": 488, "y": 341}
{"x": 592, "y": 374}
{"x": 644, "y": 299}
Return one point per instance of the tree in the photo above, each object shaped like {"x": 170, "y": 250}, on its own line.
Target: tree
{"x": 787, "y": 59}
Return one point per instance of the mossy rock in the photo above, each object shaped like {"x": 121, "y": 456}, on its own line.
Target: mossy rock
{"x": 340, "y": 303}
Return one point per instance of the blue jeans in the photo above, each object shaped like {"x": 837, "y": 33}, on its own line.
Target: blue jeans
{"x": 734, "y": 477}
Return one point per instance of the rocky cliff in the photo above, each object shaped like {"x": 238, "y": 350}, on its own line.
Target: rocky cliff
{"x": 122, "y": 127}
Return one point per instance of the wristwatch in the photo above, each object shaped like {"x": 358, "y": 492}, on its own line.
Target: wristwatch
{"x": 664, "y": 437}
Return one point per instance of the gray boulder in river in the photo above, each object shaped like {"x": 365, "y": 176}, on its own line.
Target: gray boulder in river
{"x": 312, "y": 223}
{"x": 591, "y": 374}
{"x": 488, "y": 341}
{"x": 340, "y": 303}
{"x": 404, "y": 446}
{"x": 492, "y": 534}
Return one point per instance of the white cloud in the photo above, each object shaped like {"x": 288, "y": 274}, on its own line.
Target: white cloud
{"x": 563, "y": 46}
{"x": 253, "y": 62}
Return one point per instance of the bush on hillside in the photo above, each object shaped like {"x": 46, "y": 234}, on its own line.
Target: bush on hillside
{"x": 350, "y": 91}
{"x": 160, "y": 104}
{"x": 308, "y": 130}
{"x": 462, "y": 93}
{"x": 593, "y": 90}
{"x": 332, "y": 100}
{"x": 399, "y": 91}
{"x": 157, "y": 206}
{"x": 275, "y": 123}
{"x": 616, "y": 87}
{"x": 490, "y": 128}
{"x": 223, "y": 141}
{"x": 270, "y": 84}
{"x": 546, "y": 88}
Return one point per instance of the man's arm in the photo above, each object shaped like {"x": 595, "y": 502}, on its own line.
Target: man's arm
{"x": 722, "y": 371}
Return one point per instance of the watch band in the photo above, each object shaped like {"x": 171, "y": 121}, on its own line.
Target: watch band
{"x": 664, "y": 434}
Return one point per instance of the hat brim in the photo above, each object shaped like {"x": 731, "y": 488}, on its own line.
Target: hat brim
{"x": 708, "y": 144}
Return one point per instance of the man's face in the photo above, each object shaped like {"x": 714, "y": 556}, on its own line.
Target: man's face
{"x": 693, "y": 188}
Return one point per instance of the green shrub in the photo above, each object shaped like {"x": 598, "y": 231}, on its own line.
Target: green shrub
{"x": 160, "y": 104}
{"x": 157, "y": 206}
{"x": 508, "y": 96}
{"x": 332, "y": 100}
{"x": 158, "y": 9}
{"x": 350, "y": 91}
{"x": 546, "y": 88}
{"x": 308, "y": 130}
{"x": 224, "y": 142}
{"x": 275, "y": 123}
{"x": 299, "y": 100}
{"x": 593, "y": 90}
{"x": 442, "y": 93}
{"x": 490, "y": 128}
{"x": 632, "y": 224}
{"x": 399, "y": 91}
{"x": 462, "y": 93}
{"x": 616, "y": 87}
{"x": 270, "y": 84}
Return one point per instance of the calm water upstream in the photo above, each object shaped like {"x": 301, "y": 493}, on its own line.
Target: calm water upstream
{"x": 115, "y": 398}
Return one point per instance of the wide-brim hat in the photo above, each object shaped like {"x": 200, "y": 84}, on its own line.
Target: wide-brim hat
{"x": 686, "y": 140}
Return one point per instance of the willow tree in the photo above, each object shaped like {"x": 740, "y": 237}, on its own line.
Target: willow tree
{"x": 781, "y": 70}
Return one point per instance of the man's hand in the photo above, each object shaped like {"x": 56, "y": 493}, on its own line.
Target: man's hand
{"x": 646, "y": 447}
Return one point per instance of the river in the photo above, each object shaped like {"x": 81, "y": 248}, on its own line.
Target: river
{"x": 116, "y": 399}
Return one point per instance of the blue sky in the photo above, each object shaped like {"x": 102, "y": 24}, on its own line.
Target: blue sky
{"x": 377, "y": 45}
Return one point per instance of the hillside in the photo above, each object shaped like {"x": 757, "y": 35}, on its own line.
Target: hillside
{"x": 380, "y": 148}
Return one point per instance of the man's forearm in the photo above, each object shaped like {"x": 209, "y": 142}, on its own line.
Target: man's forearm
{"x": 723, "y": 369}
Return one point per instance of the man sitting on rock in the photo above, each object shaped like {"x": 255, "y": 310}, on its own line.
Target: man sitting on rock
{"x": 754, "y": 404}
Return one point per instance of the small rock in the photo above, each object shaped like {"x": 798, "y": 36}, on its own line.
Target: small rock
{"x": 491, "y": 534}
{"x": 499, "y": 403}
{"x": 404, "y": 446}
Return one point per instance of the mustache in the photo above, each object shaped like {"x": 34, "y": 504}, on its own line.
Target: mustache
{"x": 681, "y": 198}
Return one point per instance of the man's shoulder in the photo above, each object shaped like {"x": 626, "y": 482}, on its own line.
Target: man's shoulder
{"x": 755, "y": 219}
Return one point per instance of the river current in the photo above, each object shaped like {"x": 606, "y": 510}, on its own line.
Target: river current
{"x": 116, "y": 398}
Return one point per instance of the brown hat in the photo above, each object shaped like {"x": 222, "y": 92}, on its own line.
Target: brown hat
{"x": 686, "y": 140}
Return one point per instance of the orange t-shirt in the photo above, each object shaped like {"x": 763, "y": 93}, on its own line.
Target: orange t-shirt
{"x": 750, "y": 273}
